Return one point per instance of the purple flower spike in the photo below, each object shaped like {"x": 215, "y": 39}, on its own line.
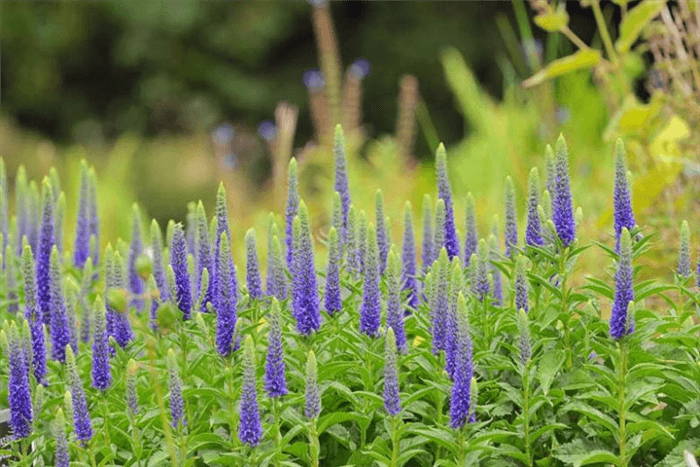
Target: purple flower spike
{"x": 81, "y": 416}
{"x": 511, "y": 231}
{"x": 522, "y": 286}
{"x": 562, "y": 209}
{"x": 177, "y": 404}
{"x": 408, "y": 259}
{"x": 82, "y": 230}
{"x": 523, "y": 335}
{"x": 292, "y": 209}
{"x": 622, "y": 199}
{"x": 479, "y": 271}
{"x": 101, "y": 375}
{"x": 221, "y": 227}
{"x": 59, "y": 431}
{"x": 497, "y": 280}
{"x": 351, "y": 244}
{"x": 533, "y": 231}
{"x": 178, "y": 261}
{"x": 471, "y": 238}
{"x": 551, "y": 173}
{"x": 43, "y": 257}
{"x": 33, "y": 316}
{"x": 305, "y": 292}
{"x": 275, "y": 380}
{"x": 440, "y": 300}
{"x": 439, "y": 240}
{"x": 135, "y": 250}
{"x": 191, "y": 229}
{"x": 94, "y": 216}
{"x": 59, "y": 329}
{"x": 35, "y": 216}
{"x": 276, "y": 281}
{"x": 620, "y": 323}
{"x": 249, "y": 428}
{"x": 252, "y": 270}
{"x": 451, "y": 331}
{"x": 340, "y": 184}
{"x": 394, "y": 311}
{"x": 427, "y": 245}
{"x": 312, "y": 407}
{"x": 333, "y": 302}
{"x": 362, "y": 240}
{"x": 132, "y": 400}
{"x": 226, "y": 300}
{"x": 158, "y": 265}
{"x": 370, "y": 312}
{"x": 392, "y": 399}
{"x": 203, "y": 256}
{"x": 461, "y": 400}
{"x": 19, "y": 397}
{"x": 382, "y": 235}
{"x": 445, "y": 194}
{"x": 122, "y": 327}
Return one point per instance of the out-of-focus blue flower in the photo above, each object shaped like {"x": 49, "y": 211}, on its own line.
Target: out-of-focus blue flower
{"x": 267, "y": 130}
{"x": 313, "y": 79}
{"x": 360, "y": 68}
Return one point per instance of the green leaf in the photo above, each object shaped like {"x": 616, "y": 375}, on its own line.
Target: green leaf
{"x": 592, "y": 413}
{"x": 635, "y": 20}
{"x": 579, "y": 453}
{"x": 585, "y": 58}
{"x": 548, "y": 367}
{"x": 337, "y": 417}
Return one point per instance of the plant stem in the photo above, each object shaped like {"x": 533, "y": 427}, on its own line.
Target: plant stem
{"x": 573, "y": 37}
{"x": 105, "y": 422}
{"x": 526, "y": 411}
{"x": 600, "y": 21}
{"x": 622, "y": 380}
{"x": 278, "y": 434}
{"x": 314, "y": 447}
{"x": 565, "y": 316}
{"x": 461, "y": 452}
{"x": 395, "y": 440}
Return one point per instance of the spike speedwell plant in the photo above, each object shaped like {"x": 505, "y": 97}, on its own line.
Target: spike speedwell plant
{"x": 367, "y": 359}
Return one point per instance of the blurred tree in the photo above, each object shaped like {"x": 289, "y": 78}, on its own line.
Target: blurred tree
{"x": 86, "y": 71}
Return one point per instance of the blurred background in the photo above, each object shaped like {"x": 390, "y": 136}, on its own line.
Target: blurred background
{"x": 167, "y": 99}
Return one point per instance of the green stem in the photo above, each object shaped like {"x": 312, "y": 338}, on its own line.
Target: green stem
{"x": 622, "y": 380}
{"x": 439, "y": 422}
{"x": 278, "y": 434}
{"x": 105, "y": 420}
{"x": 526, "y": 411}
{"x": 314, "y": 447}
{"x": 395, "y": 440}
{"x": 564, "y": 309}
{"x": 461, "y": 452}
{"x": 600, "y": 21}
{"x": 183, "y": 445}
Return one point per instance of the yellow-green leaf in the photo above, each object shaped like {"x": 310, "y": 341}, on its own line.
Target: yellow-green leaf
{"x": 632, "y": 25}
{"x": 585, "y": 58}
{"x": 553, "y": 20}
